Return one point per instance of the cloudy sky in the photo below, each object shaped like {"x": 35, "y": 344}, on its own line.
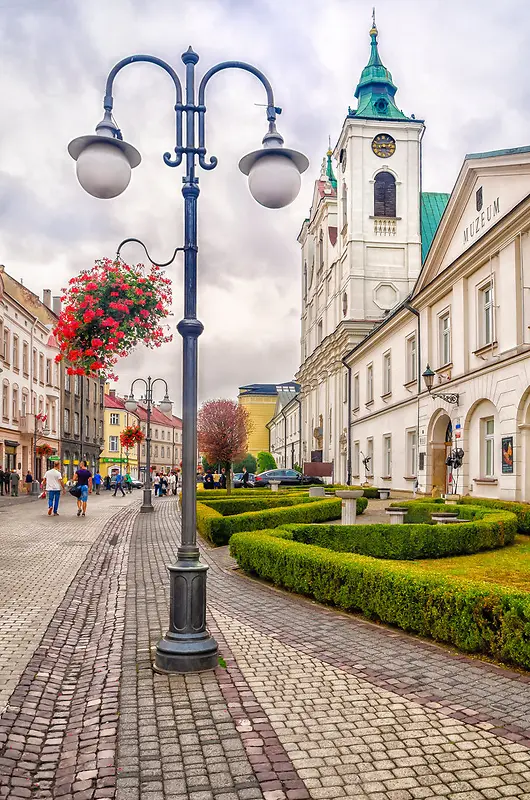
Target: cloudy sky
{"x": 458, "y": 64}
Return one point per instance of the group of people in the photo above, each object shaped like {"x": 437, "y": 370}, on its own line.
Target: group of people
{"x": 218, "y": 480}
{"x": 10, "y": 481}
{"x": 165, "y": 484}
{"x": 53, "y": 483}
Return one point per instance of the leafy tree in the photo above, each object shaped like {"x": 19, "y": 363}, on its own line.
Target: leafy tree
{"x": 265, "y": 461}
{"x": 223, "y": 427}
{"x": 248, "y": 461}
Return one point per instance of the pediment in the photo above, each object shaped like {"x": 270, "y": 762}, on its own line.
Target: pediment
{"x": 489, "y": 186}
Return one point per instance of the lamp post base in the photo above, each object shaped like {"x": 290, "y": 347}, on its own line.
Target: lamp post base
{"x": 147, "y": 504}
{"x": 35, "y": 488}
{"x": 188, "y": 645}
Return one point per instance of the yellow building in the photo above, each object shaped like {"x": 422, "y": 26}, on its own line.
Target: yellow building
{"x": 113, "y": 456}
{"x": 260, "y": 401}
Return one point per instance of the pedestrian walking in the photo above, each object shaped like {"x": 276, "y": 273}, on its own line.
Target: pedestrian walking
{"x": 28, "y": 480}
{"x": 14, "y": 480}
{"x": 163, "y": 484}
{"x": 83, "y": 478}
{"x": 222, "y": 479}
{"x": 97, "y": 482}
{"x": 172, "y": 480}
{"x": 7, "y": 481}
{"x": 245, "y": 480}
{"x": 1, "y": 481}
{"x": 107, "y": 483}
{"x": 209, "y": 482}
{"x": 156, "y": 484}
{"x": 119, "y": 485}
{"x": 128, "y": 482}
{"x": 53, "y": 485}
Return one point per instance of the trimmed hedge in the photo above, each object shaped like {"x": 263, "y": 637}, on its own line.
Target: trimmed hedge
{"x": 474, "y": 617}
{"x": 521, "y": 510}
{"x": 485, "y": 530}
{"x": 218, "y": 529}
{"x": 239, "y": 505}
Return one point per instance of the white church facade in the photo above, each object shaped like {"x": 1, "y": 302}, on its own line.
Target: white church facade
{"x": 404, "y": 290}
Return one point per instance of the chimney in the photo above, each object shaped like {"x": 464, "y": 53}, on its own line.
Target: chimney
{"x": 112, "y": 392}
{"x": 56, "y": 307}
{"x": 47, "y": 298}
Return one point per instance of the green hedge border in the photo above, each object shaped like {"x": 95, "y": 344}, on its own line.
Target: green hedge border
{"x": 485, "y": 530}
{"x": 218, "y": 529}
{"x": 239, "y": 505}
{"x": 473, "y": 617}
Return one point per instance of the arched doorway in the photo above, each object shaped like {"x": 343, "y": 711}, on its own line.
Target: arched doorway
{"x": 441, "y": 442}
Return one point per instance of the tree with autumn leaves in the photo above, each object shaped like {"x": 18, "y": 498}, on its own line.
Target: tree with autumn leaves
{"x": 223, "y": 427}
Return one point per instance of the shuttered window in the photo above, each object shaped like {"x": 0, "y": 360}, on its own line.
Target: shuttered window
{"x": 385, "y": 195}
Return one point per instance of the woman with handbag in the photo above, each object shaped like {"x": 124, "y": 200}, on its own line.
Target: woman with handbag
{"x": 83, "y": 479}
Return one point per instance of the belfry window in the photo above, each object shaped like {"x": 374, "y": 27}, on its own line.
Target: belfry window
{"x": 385, "y": 195}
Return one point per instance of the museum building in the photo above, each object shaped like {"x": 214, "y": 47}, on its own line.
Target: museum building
{"x": 415, "y": 329}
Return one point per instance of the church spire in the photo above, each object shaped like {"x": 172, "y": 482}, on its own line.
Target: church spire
{"x": 375, "y": 90}
{"x": 329, "y": 167}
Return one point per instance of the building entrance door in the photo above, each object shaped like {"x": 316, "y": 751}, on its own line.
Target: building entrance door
{"x": 441, "y": 444}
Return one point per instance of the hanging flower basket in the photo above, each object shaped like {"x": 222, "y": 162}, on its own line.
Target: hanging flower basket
{"x": 44, "y": 450}
{"x": 130, "y": 436}
{"x": 108, "y": 310}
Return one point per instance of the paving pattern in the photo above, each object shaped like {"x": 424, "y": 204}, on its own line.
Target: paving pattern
{"x": 40, "y": 556}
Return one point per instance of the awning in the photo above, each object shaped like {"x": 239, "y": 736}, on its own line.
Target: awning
{"x": 8, "y": 443}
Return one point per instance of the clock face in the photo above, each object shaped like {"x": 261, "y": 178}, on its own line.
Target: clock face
{"x": 384, "y": 145}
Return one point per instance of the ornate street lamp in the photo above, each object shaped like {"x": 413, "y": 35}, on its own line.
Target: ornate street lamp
{"x": 104, "y": 164}
{"x": 165, "y": 407}
{"x": 428, "y": 377}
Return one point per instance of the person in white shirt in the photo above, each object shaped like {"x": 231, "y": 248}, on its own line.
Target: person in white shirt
{"x": 53, "y": 484}
{"x": 172, "y": 483}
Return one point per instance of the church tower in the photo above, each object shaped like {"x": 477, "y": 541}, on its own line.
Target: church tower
{"x": 378, "y": 195}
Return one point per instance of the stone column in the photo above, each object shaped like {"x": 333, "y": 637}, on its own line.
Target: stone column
{"x": 317, "y": 491}
{"x": 349, "y": 505}
{"x": 274, "y": 485}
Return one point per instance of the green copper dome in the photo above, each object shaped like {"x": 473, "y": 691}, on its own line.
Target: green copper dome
{"x": 375, "y": 90}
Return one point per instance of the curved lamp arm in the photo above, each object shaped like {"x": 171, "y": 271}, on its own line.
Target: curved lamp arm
{"x": 272, "y": 110}
{"x": 156, "y": 264}
{"x": 108, "y": 101}
{"x": 142, "y": 380}
{"x": 163, "y": 381}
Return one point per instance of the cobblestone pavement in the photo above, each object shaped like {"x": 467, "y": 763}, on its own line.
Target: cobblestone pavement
{"x": 39, "y": 556}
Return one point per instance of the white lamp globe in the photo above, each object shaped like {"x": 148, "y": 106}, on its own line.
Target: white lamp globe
{"x": 103, "y": 170}
{"x": 165, "y": 405}
{"x": 274, "y": 180}
{"x": 131, "y": 404}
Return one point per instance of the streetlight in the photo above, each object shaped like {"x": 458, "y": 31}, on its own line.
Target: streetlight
{"x": 104, "y": 164}
{"x": 165, "y": 407}
{"x": 35, "y": 486}
{"x": 428, "y": 377}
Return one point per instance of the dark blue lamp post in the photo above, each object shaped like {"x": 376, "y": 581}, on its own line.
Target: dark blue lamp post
{"x": 104, "y": 163}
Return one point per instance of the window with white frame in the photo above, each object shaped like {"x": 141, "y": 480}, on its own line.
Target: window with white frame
{"x": 162, "y": 452}
{"x": 25, "y": 358}
{"x": 5, "y": 346}
{"x": 76, "y": 424}
{"x": 356, "y": 459}
{"x": 87, "y": 428}
{"x": 486, "y": 315}
{"x": 15, "y": 403}
{"x": 163, "y": 434}
{"x": 48, "y": 372}
{"x": 67, "y": 382}
{"x": 113, "y": 444}
{"x": 355, "y": 391}
{"x": 66, "y": 420}
{"x": 15, "y": 359}
{"x": 387, "y": 373}
{"x": 24, "y": 407}
{"x": 34, "y": 364}
{"x": 444, "y": 338}
{"x": 41, "y": 368}
{"x": 370, "y": 456}
{"x": 412, "y": 358}
{"x": 76, "y": 384}
{"x": 387, "y": 455}
{"x": 114, "y": 419}
{"x": 488, "y": 428}
{"x": 412, "y": 453}
{"x": 369, "y": 383}
{"x": 5, "y": 400}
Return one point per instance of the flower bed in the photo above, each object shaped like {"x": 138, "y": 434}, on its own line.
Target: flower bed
{"x": 474, "y": 617}
{"x": 108, "y": 310}
{"x": 484, "y": 530}
{"x": 218, "y": 529}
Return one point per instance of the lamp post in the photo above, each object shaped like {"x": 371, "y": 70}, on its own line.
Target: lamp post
{"x": 35, "y": 486}
{"x": 165, "y": 406}
{"x": 450, "y": 397}
{"x": 104, "y": 164}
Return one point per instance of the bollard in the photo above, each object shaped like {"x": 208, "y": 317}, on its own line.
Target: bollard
{"x": 349, "y": 505}
{"x": 274, "y": 485}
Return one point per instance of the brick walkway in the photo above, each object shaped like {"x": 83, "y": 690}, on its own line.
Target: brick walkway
{"x": 311, "y": 703}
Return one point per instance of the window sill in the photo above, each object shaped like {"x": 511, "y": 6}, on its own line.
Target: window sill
{"x": 386, "y": 477}
{"x": 369, "y": 403}
{"x": 385, "y": 216}
{"x": 492, "y": 481}
{"x": 444, "y": 367}
{"x": 356, "y": 476}
{"x": 410, "y": 384}
{"x": 355, "y": 410}
{"x": 409, "y": 477}
{"x": 485, "y": 347}
{"x": 386, "y": 395}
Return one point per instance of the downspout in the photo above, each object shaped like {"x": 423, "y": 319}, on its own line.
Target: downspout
{"x": 417, "y": 315}
{"x": 298, "y": 400}
{"x": 348, "y": 430}
{"x": 284, "y": 438}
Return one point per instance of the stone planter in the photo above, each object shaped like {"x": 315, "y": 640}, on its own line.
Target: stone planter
{"x": 349, "y": 505}
{"x": 396, "y": 515}
{"x": 452, "y": 499}
{"x": 317, "y": 491}
{"x": 384, "y": 494}
{"x": 444, "y": 518}
{"x": 274, "y": 485}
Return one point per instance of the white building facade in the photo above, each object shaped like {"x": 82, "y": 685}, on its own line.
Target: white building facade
{"x": 284, "y": 431}
{"x": 415, "y": 280}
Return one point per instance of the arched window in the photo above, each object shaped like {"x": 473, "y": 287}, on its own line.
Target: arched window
{"x": 385, "y": 195}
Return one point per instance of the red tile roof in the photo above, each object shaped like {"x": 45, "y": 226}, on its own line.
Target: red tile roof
{"x": 114, "y": 401}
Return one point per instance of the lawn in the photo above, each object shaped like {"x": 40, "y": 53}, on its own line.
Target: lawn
{"x": 508, "y": 566}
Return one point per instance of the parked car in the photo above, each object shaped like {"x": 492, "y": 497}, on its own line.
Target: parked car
{"x": 287, "y": 477}
{"x": 237, "y": 479}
